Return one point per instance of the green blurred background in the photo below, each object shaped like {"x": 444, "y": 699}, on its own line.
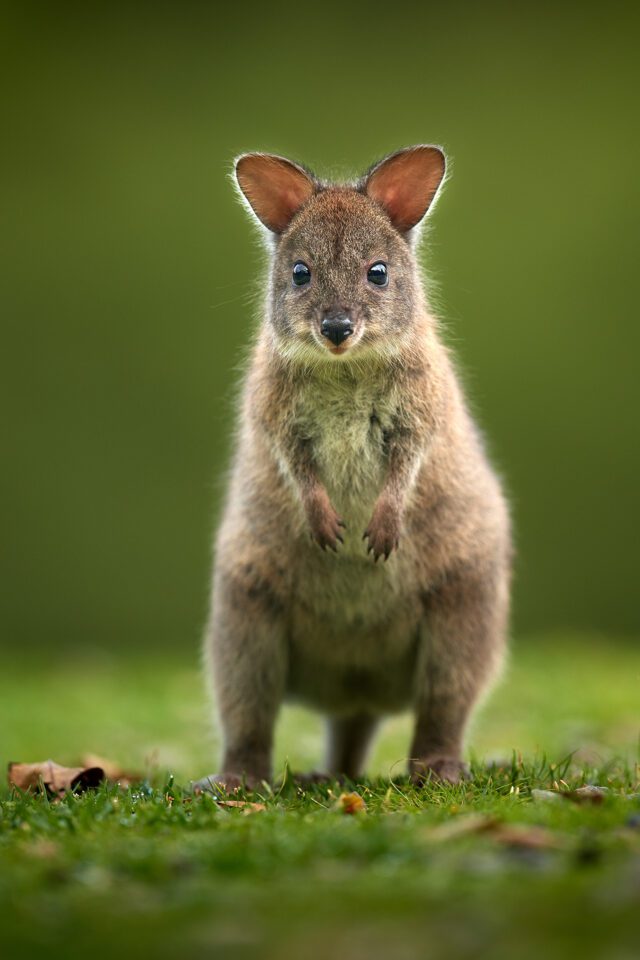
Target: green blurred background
{"x": 130, "y": 280}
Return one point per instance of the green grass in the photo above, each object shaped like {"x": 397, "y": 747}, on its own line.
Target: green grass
{"x": 157, "y": 872}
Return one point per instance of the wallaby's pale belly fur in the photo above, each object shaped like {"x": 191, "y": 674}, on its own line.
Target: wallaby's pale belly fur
{"x": 363, "y": 559}
{"x": 354, "y": 624}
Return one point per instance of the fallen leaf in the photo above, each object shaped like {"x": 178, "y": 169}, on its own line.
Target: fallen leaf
{"x": 55, "y": 778}
{"x": 460, "y": 827}
{"x": 249, "y": 806}
{"x": 351, "y": 803}
{"x": 113, "y": 772}
{"x": 513, "y": 835}
{"x": 587, "y": 794}
{"x": 528, "y": 837}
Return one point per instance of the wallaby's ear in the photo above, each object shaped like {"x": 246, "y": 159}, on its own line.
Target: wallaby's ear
{"x": 406, "y": 184}
{"x": 274, "y": 187}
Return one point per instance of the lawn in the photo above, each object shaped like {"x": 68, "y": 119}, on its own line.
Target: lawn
{"x": 493, "y": 868}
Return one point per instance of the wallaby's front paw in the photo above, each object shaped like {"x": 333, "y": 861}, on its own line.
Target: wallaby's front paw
{"x": 447, "y": 769}
{"x": 225, "y": 783}
{"x": 326, "y": 526}
{"x": 383, "y": 533}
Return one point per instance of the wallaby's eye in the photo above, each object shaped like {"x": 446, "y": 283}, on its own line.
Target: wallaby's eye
{"x": 301, "y": 274}
{"x": 377, "y": 273}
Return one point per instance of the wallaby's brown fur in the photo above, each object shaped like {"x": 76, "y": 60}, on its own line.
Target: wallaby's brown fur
{"x": 363, "y": 559}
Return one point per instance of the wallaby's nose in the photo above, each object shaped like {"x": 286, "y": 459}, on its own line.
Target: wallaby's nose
{"x": 336, "y": 326}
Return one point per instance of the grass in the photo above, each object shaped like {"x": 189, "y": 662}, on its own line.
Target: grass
{"x": 155, "y": 871}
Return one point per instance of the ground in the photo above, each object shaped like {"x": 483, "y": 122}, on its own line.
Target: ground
{"x": 492, "y": 868}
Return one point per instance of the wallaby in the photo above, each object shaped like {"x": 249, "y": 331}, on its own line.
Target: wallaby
{"x": 362, "y": 564}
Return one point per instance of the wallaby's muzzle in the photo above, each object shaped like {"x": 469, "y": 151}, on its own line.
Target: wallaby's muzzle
{"x": 336, "y": 326}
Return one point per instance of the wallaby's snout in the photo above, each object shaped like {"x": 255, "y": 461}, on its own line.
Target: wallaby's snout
{"x": 336, "y": 326}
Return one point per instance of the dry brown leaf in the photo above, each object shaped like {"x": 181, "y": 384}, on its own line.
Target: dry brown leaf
{"x": 113, "y": 772}
{"x": 514, "y": 835}
{"x": 351, "y": 803}
{"x": 460, "y": 826}
{"x": 58, "y": 779}
{"x": 528, "y": 837}
{"x": 587, "y": 794}
{"x": 249, "y": 806}
{"x": 55, "y": 778}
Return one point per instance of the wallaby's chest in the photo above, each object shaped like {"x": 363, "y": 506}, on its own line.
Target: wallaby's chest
{"x": 348, "y": 427}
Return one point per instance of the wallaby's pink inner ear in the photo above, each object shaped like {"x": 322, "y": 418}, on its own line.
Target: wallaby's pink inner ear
{"x": 274, "y": 187}
{"x": 406, "y": 183}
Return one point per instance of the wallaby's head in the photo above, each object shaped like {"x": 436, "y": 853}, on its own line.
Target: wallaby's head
{"x": 344, "y": 278}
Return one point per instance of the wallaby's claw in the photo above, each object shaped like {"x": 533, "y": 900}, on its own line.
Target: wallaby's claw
{"x": 326, "y": 525}
{"x": 383, "y": 534}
